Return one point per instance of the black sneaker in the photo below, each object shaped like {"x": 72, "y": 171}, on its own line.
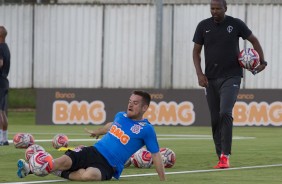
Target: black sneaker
{"x": 6, "y": 143}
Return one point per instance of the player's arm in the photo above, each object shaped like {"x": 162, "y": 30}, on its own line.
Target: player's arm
{"x": 256, "y": 45}
{"x": 1, "y": 62}
{"x": 1, "y": 58}
{"x": 158, "y": 163}
{"x": 100, "y": 131}
{"x": 202, "y": 79}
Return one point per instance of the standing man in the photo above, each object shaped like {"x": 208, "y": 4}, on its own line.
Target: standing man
{"x": 105, "y": 159}
{"x": 4, "y": 86}
{"x": 220, "y": 35}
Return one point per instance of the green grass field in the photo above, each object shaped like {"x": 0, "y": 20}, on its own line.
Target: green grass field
{"x": 252, "y": 146}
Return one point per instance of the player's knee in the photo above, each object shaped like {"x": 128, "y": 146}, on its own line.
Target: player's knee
{"x": 226, "y": 117}
{"x": 92, "y": 174}
{"x": 91, "y": 177}
{"x": 62, "y": 163}
{"x": 225, "y": 114}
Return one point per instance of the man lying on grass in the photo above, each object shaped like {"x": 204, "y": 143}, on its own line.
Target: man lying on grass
{"x": 106, "y": 158}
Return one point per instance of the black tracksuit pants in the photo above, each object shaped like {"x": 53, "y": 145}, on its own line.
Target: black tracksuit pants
{"x": 221, "y": 95}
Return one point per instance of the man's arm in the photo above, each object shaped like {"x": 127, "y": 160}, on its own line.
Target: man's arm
{"x": 1, "y": 62}
{"x": 202, "y": 79}
{"x": 100, "y": 131}
{"x": 256, "y": 45}
{"x": 158, "y": 163}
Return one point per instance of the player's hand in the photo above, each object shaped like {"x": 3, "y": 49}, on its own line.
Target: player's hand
{"x": 203, "y": 80}
{"x": 258, "y": 69}
{"x": 93, "y": 133}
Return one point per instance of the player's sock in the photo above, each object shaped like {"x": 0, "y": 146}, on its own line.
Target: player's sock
{"x": 5, "y": 135}
{"x": 65, "y": 174}
{"x": 57, "y": 173}
{"x": 5, "y": 138}
{"x": 1, "y": 137}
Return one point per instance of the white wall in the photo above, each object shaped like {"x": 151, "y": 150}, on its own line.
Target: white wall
{"x": 68, "y": 46}
{"x": 18, "y": 21}
{"x": 129, "y": 43}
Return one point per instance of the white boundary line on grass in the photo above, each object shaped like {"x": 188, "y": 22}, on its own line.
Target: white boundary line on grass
{"x": 168, "y": 173}
{"x": 203, "y": 171}
{"x": 159, "y": 135}
{"x": 190, "y": 137}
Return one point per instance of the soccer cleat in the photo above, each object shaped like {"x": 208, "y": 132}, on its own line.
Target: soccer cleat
{"x": 223, "y": 162}
{"x": 23, "y": 168}
{"x": 6, "y": 143}
{"x": 217, "y": 165}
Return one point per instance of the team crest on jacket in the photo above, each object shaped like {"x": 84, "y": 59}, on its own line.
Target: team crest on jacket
{"x": 229, "y": 29}
{"x": 136, "y": 129}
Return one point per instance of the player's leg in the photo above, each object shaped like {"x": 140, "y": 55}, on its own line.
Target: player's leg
{"x": 89, "y": 174}
{"x": 59, "y": 164}
{"x": 75, "y": 161}
{"x": 1, "y": 129}
{"x": 97, "y": 166}
{"x": 3, "y": 117}
{"x": 229, "y": 92}
{"x": 212, "y": 95}
{"x": 5, "y": 128}
{"x": 62, "y": 163}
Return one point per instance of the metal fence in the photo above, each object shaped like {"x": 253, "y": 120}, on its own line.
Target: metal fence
{"x": 116, "y": 45}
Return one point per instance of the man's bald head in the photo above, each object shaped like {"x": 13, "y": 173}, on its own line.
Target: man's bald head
{"x": 3, "y": 31}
